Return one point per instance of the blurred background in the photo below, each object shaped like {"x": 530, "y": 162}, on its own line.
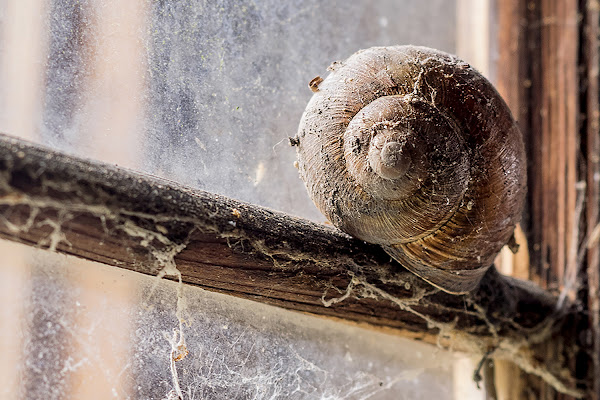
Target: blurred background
{"x": 205, "y": 94}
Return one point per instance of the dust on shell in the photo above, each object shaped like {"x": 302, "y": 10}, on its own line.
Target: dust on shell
{"x": 448, "y": 215}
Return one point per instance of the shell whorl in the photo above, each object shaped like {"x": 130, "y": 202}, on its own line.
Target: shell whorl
{"x": 412, "y": 149}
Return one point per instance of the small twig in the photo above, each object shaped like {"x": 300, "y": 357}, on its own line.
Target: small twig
{"x": 477, "y": 373}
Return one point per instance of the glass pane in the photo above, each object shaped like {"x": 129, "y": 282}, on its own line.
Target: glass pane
{"x": 204, "y": 93}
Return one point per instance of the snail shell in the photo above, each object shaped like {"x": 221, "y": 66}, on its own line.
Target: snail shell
{"x": 411, "y": 148}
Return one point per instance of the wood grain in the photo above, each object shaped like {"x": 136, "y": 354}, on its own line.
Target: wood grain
{"x": 591, "y": 60}
{"x": 548, "y": 55}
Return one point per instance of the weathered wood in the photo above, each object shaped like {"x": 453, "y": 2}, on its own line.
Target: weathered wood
{"x": 513, "y": 83}
{"x": 150, "y": 225}
{"x": 552, "y": 136}
{"x": 547, "y": 84}
{"x": 554, "y": 108}
{"x": 591, "y": 132}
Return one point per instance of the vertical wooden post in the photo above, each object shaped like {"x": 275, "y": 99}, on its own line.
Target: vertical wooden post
{"x": 591, "y": 130}
{"x": 548, "y": 74}
{"x": 552, "y": 138}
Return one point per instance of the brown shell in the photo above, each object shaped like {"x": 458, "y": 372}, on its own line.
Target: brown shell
{"x": 413, "y": 149}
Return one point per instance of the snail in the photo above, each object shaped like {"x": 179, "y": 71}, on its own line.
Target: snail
{"x": 413, "y": 149}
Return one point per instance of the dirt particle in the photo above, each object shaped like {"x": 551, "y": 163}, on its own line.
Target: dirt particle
{"x": 334, "y": 65}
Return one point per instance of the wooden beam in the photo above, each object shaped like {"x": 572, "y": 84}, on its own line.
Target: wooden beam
{"x": 552, "y": 139}
{"x": 146, "y": 224}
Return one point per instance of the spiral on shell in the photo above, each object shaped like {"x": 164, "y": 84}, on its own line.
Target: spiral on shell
{"x": 412, "y": 149}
